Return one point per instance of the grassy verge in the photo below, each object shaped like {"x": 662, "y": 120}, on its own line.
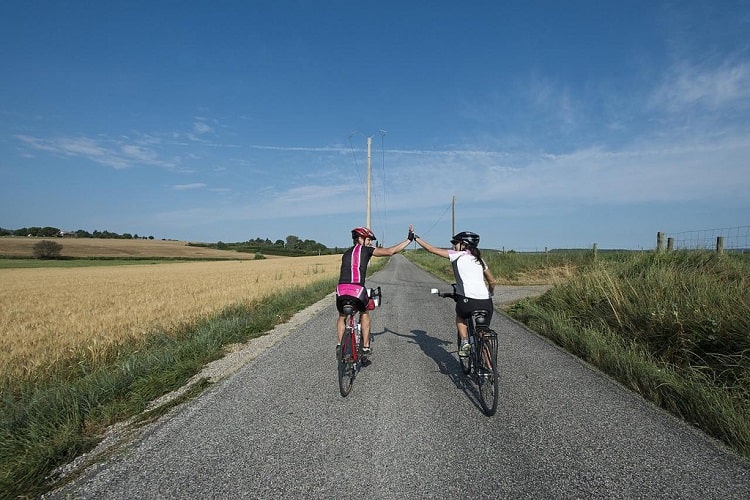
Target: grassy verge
{"x": 46, "y": 423}
{"x": 673, "y": 327}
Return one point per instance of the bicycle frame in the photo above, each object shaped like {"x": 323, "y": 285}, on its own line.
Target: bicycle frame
{"x": 481, "y": 364}
{"x": 350, "y": 361}
{"x": 352, "y": 333}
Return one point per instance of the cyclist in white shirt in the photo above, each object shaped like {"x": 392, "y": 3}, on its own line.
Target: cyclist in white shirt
{"x": 474, "y": 281}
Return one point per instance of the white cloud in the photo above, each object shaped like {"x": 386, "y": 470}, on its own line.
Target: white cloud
{"x": 201, "y": 128}
{"x": 713, "y": 89}
{"x": 187, "y": 187}
{"x": 114, "y": 154}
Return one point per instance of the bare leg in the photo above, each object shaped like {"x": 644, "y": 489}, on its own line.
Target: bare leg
{"x": 364, "y": 319}
{"x": 340, "y": 327}
{"x": 463, "y": 330}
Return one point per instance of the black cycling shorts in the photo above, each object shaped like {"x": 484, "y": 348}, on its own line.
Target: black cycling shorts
{"x": 465, "y": 306}
{"x": 340, "y": 299}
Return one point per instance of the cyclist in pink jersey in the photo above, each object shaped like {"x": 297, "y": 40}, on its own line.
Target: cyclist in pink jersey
{"x": 352, "y": 279}
{"x": 474, "y": 281}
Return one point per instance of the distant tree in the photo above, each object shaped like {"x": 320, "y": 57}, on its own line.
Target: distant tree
{"x": 82, "y": 234}
{"x": 221, "y": 246}
{"x": 48, "y": 231}
{"x": 279, "y": 243}
{"x": 151, "y": 237}
{"x": 5, "y": 232}
{"x": 292, "y": 241}
{"x": 127, "y": 236}
{"x": 46, "y": 249}
{"x": 313, "y": 246}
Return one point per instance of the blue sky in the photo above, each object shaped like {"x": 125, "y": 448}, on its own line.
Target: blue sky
{"x": 554, "y": 124}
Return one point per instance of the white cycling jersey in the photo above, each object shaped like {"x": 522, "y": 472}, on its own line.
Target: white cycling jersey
{"x": 469, "y": 275}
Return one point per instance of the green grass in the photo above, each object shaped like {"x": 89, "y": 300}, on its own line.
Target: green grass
{"x": 47, "y": 423}
{"x": 674, "y": 327}
{"x": 516, "y": 268}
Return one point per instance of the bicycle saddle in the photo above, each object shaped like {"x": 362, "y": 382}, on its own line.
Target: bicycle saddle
{"x": 480, "y": 316}
{"x": 349, "y": 306}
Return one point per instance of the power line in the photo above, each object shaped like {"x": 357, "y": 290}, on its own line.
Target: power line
{"x": 439, "y": 219}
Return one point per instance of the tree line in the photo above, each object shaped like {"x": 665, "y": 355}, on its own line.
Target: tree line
{"x": 54, "y": 232}
{"x": 292, "y": 245}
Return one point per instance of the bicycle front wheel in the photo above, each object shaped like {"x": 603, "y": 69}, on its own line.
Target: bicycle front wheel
{"x": 346, "y": 365}
{"x": 489, "y": 385}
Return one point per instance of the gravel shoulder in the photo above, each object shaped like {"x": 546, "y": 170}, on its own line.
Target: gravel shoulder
{"x": 506, "y": 295}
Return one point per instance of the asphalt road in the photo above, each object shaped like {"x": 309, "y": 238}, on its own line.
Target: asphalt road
{"x": 412, "y": 426}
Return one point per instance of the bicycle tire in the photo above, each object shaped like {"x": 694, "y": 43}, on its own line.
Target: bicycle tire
{"x": 464, "y": 362}
{"x": 487, "y": 378}
{"x": 346, "y": 365}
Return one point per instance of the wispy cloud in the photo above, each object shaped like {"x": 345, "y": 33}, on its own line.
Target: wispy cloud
{"x": 187, "y": 187}
{"x": 717, "y": 88}
{"x": 300, "y": 148}
{"x": 116, "y": 154}
{"x": 201, "y": 128}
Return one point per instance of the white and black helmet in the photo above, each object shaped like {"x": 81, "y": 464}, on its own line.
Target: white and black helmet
{"x": 466, "y": 237}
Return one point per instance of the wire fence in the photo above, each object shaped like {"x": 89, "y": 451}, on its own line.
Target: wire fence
{"x": 725, "y": 239}
{"x": 735, "y": 239}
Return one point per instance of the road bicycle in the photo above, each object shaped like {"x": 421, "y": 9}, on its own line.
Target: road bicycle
{"x": 349, "y": 355}
{"x": 481, "y": 364}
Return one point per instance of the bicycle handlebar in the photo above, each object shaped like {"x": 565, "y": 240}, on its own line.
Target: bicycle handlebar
{"x": 447, "y": 295}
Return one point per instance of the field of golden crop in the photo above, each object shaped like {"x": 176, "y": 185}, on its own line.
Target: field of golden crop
{"x": 53, "y": 313}
{"x": 113, "y": 248}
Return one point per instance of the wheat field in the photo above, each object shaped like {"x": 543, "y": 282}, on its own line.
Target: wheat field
{"x": 57, "y": 313}
{"x": 114, "y": 248}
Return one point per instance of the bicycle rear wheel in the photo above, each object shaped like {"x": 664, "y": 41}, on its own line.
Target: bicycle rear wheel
{"x": 346, "y": 365}
{"x": 465, "y": 362}
{"x": 489, "y": 386}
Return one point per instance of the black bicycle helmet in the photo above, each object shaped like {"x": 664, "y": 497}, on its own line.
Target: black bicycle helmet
{"x": 466, "y": 237}
{"x": 363, "y": 232}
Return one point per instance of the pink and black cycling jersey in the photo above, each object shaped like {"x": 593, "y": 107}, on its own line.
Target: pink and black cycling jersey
{"x": 354, "y": 265}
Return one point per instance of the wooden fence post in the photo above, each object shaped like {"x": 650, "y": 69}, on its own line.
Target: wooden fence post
{"x": 659, "y": 241}
{"x": 720, "y": 245}
{"x": 670, "y": 244}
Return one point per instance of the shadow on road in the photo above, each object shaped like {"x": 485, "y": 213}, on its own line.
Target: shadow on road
{"x": 436, "y": 349}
